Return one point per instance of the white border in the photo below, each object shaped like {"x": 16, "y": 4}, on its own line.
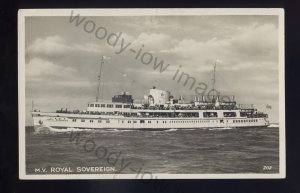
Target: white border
{"x": 148, "y": 12}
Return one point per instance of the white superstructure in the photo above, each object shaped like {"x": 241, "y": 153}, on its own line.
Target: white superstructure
{"x": 159, "y": 111}
{"x": 123, "y": 115}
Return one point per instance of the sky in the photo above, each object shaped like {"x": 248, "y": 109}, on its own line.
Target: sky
{"x": 62, "y": 59}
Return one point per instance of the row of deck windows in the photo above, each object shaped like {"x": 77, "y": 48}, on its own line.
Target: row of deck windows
{"x": 160, "y": 114}
{"x": 91, "y": 120}
{"x": 245, "y": 121}
{"x": 177, "y": 121}
{"x": 193, "y": 121}
{"x": 109, "y": 105}
{"x": 205, "y": 114}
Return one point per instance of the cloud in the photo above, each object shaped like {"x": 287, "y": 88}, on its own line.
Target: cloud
{"x": 38, "y": 68}
{"x": 67, "y": 64}
{"x": 257, "y": 40}
{"x": 253, "y": 45}
{"x": 154, "y": 41}
{"x": 58, "y": 46}
{"x": 88, "y": 47}
{"x": 52, "y": 45}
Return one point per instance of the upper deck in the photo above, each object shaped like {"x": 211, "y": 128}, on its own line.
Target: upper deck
{"x": 162, "y": 104}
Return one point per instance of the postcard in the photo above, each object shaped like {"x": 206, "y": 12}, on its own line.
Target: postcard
{"x": 151, "y": 93}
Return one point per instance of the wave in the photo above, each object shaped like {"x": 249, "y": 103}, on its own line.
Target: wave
{"x": 170, "y": 130}
{"x": 274, "y": 125}
{"x": 47, "y": 129}
{"x": 70, "y": 129}
{"x": 220, "y": 129}
{"x": 116, "y": 130}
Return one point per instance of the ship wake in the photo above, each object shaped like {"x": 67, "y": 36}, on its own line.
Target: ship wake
{"x": 274, "y": 125}
{"x": 47, "y": 129}
{"x": 220, "y": 129}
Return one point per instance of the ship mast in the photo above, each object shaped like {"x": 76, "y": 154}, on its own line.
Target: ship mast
{"x": 214, "y": 78}
{"x": 99, "y": 79}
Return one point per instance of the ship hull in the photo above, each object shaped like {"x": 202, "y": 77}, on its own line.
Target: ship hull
{"x": 86, "y": 121}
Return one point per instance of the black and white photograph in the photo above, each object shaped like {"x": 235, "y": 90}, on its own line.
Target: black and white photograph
{"x": 151, "y": 93}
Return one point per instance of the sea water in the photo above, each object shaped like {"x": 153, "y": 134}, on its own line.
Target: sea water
{"x": 174, "y": 151}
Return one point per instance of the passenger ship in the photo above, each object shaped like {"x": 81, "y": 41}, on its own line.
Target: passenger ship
{"x": 160, "y": 110}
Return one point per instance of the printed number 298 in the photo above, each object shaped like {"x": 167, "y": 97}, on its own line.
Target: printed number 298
{"x": 267, "y": 168}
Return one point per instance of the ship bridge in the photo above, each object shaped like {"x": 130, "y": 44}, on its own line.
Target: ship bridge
{"x": 108, "y": 107}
